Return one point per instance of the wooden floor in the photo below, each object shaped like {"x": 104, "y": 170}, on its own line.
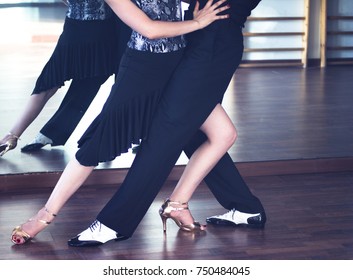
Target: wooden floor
{"x": 309, "y": 217}
{"x": 295, "y": 149}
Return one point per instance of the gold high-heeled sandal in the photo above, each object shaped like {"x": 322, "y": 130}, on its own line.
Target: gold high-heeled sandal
{"x": 165, "y": 212}
{"x": 10, "y": 144}
{"x": 19, "y": 236}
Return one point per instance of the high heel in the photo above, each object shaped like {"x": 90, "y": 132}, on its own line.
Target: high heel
{"x": 10, "y": 144}
{"x": 166, "y": 213}
{"x": 19, "y": 236}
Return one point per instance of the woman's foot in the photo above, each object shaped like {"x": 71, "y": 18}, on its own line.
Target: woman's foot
{"x": 180, "y": 214}
{"x": 23, "y": 233}
{"x": 9, "y": 142}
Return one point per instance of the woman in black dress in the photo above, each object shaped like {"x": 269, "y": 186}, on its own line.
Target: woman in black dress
{"x": 88, "y": 52}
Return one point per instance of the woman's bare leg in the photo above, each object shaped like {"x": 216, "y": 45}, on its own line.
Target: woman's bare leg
{"x": 221, "y": 135}
{"x": 69, "y": 182}
{"x": 33, "y": 107}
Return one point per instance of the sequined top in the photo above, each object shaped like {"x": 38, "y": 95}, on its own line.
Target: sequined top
{"x": 164, "y": 10}
{"x": 88, "y": 10}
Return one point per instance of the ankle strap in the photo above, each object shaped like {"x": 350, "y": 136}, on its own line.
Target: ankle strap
{"x": 45, "y": 222}
{"x": 46, "y": 210}
{"x": 182, "y": 205}
{"x": 13, "y": 135}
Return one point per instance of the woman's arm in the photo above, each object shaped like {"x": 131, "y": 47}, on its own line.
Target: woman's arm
{"x": 134, "y": 17}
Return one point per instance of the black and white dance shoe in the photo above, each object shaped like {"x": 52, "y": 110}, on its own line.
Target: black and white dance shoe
{"x": 236, "y": 218}
{"x": 96, "y": 234}
{"x": 37, "y": 143}
{"x": 135, "y": 149}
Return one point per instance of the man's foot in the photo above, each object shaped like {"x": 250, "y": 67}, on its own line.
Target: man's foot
{"x": 39, "y": 142}
{"x": 96, "y": 234}
{"x": 237, "y": 218}
{"x": 135, "y": 149}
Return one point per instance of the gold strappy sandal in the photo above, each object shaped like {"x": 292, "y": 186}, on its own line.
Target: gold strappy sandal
{"x": 10, "y": 144}
{"x": 168, "y": 207}
{"x": 19, "y": 236}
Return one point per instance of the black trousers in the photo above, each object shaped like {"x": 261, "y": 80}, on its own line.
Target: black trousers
{"x": 198, "y": 85}
{"x": 72, "y": 108}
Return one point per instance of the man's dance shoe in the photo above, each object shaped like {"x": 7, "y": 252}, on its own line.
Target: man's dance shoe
{"x": 96, "y": 234}
{"x": 37, "y": 143}
{"x": 236, "y": 218}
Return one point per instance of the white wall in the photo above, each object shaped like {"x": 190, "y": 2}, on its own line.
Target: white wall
{"x": 295, "y": 8}
{"x": 275, "y": 8}
{"x": 340, "y": 8}
{"x": 286, "y": 8}
{"x": 27, "y": 1}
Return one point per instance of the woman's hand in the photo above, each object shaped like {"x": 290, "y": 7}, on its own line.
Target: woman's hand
{"x": 137, "y": 20}
{"x": 210, "y": 12}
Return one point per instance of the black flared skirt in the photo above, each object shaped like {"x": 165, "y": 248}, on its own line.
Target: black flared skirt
{"x": 127, "y": 113}
{"x": 86, "y": 48}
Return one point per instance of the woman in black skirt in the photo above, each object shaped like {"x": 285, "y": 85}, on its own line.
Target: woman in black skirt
{"x": 87, "y": 52}
{"x": 154, "y": 51}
